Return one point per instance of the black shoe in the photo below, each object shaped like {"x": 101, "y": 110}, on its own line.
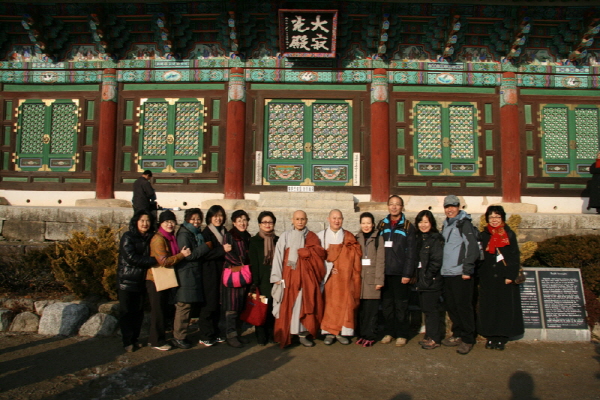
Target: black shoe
{"x": 182, "y": 344}
{"x": 499, "y": 346}
{"x": 234, "y": 342}
{"x": 243, "y": 340}
{"x": 490, "y": 345}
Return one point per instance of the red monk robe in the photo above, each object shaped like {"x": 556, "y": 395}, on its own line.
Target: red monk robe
{"x": 342, "y": 289}
{"x": 308, "y": 275}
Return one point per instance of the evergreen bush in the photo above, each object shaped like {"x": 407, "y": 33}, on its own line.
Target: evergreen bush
{"x": 571, "y": 251}
{"x": 86, "y": 263}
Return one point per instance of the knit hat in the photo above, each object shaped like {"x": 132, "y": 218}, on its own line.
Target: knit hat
{"x": 166, "y": 215}
{"x": 451, "y": 200}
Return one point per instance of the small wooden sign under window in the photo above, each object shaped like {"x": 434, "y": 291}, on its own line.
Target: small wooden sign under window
{"x": 308, "y": 33}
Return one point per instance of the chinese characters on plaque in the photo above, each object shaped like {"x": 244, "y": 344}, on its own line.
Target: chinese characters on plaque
{"x": 308, "y": 33}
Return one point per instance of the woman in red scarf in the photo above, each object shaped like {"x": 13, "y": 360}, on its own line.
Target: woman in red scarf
{"x": 499, "y": 313}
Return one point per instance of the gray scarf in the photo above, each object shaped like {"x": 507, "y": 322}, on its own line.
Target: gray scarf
{"x": 216, "y": 232}
{"x": 295, "y": 242}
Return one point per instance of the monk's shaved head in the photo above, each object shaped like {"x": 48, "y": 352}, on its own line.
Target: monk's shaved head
{"x": 299, "y": 220}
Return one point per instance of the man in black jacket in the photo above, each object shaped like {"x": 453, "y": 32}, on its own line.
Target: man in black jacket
{"x": 144, "y": 197}
{"x": 400, "y": 261}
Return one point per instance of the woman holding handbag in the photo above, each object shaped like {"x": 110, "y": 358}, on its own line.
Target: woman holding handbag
{"x": 261, "y": 249}
{"x": 499, "y": 313}
{"x": 212, "y": 270}
{"x": 236, "y": 271}
{"x": 164, "y": 248}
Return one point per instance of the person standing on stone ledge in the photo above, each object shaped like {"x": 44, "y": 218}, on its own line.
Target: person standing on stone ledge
{"x": 594, "y": 185}
{"x": 144, "y": 196}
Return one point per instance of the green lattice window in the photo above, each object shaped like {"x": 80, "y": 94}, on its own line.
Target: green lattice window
{"x": 445, "y": 138}
{"x": 171, "y": 135}
{"x": 47, "y": 135}
{"x": 569, "y": 138}
{"x": 308, "y": 142}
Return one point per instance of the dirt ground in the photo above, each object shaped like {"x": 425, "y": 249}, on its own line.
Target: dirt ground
{"x": 40, "y": 367}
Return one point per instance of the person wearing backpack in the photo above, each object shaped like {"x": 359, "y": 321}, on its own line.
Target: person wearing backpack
{"x": 461, "y": 252}
{"x": 400, "y": 264}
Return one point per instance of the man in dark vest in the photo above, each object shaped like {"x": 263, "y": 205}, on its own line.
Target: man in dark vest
{"x": 144, "y": 197}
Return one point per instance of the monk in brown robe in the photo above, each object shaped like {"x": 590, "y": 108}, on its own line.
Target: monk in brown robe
{"x": 297, "y": 273}
{"x": 342, "y": 283}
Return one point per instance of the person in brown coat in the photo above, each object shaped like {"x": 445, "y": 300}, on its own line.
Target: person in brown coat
{"x": 373, "y": 277}
{"x": 342, "y": 281}
{"x": 297, "y": 273}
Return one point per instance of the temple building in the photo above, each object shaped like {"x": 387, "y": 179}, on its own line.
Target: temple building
{"x": 493, "y": 100}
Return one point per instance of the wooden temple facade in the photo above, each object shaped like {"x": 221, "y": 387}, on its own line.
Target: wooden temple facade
{"x": 477, "y": 98}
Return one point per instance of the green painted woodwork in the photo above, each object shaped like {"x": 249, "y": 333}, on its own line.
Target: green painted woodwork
{"x": 401, "y": 165}
{"x": 489, "y": 139}
{"x": 489, "y": 165}
{"x": 128, "y": 135}
{"x": 126, "y": 162}
{"x": 572, "y": 186}
{"x": 36, "y": 179}
{"x": 540, "y": 185}
{"x": 7, "y": 130}
{"x": 8, "y": 110}
{"x": 77, "y": 180}
{"x": 89, "y": 135}
{"x": 443, "y": 89}
{"x": 51, "y": 88}
{"x": 559, "y": 92}
{"x": 399, "y": 111}
{"x": 529, "y": 140}
{"x": 170, "y": 86}
{"x": 489, "y": 117}
{"x": 129, "y": 109}
{"x": 88, "y": 161}
{"x": 445, "y": 184}
{"x": 215, "y": 135}
{"x": 171, "y": 135}
{"x": 169, "y": 180}
{"x": 214, "y": 162}
{"x": 480, "y": 184}
{"x": 274, "y": 86}
{"x": 203, "y": 181}
{"x": 408, "y": 184}
{"x": 14, "y": 179}
{"x": 527, "y": 110}
{"x": 47, "y": 135}
{"x": 445, "y": 138}
{"x": 308, "y": 141}
{"x": 128, "y": 180}
{"x": 530, "y": 166}
{"x": 400, "y": 138}
{"x": 216, "y": 108}
{"x": 90, "y": 105}
{"x": 5, "y": 160}
{"x": 570, "y": 138}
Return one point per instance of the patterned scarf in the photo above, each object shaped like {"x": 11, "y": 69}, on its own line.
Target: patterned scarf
{"x": 196, "y": 232}
{"x": 170, "y": 236}
{"x": 269, "y": 247}
{"x": 499, "y": 238}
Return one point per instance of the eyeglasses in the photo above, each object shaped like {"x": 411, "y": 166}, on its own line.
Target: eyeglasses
{"x": 267, "y": 223}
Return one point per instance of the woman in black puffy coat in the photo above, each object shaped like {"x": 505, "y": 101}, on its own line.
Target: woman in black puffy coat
{"x": 430, "y": 248}
{"x": 134, "y": 261}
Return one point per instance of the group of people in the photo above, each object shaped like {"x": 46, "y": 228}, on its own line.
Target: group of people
{"x": 330, "y": 284}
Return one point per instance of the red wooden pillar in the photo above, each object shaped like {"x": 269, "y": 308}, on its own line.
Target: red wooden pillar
{"x": 234, "y": 140}
{"x": 105, "y": 162}
{"x": 509, "y": 139}
{"x": 380, "y": 137}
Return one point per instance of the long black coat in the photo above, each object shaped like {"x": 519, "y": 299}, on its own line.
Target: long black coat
{"x": 499, "y": 311}
{"x": 261, "y": 273}
{"x": 594, "y": 187}
{"x": 430, "y": 247}
{"x": 212, "y": 270}
{"x": 134, "y": 260}
{"x": 189, "y": 270}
